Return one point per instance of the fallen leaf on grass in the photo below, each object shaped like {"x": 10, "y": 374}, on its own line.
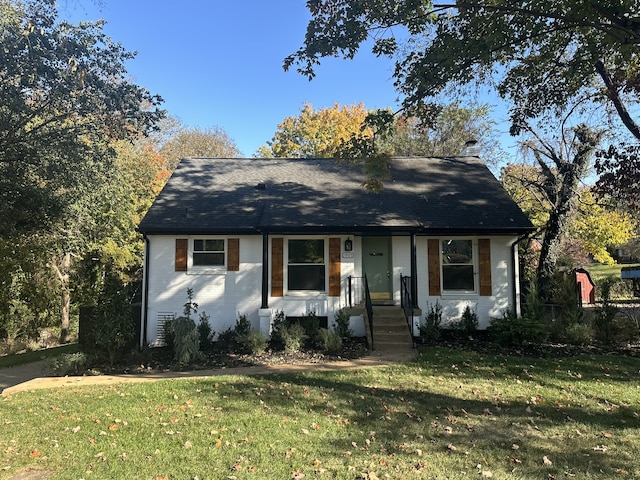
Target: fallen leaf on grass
{"x": 34, "y": 453}
{"x": 75, "y": 429}
{"x": 546, "y": 461}
{"x": 607, "y": 435}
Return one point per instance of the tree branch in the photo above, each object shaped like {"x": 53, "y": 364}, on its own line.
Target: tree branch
{"x": 614, "y": 96}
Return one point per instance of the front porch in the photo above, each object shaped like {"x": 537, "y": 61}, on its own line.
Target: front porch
{"x": 388, "y": 327}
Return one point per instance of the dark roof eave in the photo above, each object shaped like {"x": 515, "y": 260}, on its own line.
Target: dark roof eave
{"x": 346, "y": 230}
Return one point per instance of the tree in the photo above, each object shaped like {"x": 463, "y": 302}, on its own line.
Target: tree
{"x": 197, "y": 142}
{"x": 545, "y": 58}
{"x": 317, "y": 133}
{"x": 619, "y": 170}
{"x": 552, "y": 184}
{"x": 64, "y": 96}
{"x": 593, "y": 226}
{"x": 64, "y": 101}
{"x": 453, "y": 127}
{"x": 540, "y": 55}
{"x": 600, "y": 227}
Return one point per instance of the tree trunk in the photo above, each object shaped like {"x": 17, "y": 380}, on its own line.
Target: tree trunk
{"x": 566, "y": 181}
{"x": 62, "y": 269}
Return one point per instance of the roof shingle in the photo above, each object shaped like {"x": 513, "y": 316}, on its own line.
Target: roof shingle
{"x": 423, "y": 195}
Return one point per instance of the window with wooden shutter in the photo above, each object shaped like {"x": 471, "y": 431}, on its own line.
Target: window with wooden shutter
{"x": 334, "y": 267}
{"x": 433, "y": 264}
{"x": 484, "y": 266}
{"x": 306, "y": 265}
{"x": 457, "y": 258}
{"x": 182, "y": 249}
{"x": 277, "y": 267}
{"x": 233, "y": 254}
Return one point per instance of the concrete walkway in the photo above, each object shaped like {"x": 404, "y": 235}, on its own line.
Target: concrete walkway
{"x": 30, "y": 376}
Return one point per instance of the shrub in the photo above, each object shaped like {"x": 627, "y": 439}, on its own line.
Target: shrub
{"x": 311, "y": 324}
{"x": 431, "y": 329}
{"x": 513, "y": 331}
{"x": 580, "y": 334}
{"x": 252, "y": 342}
{"x": 565, "y": 299}
{"x": 226, "y": 341}
{"x": 186, "y": 345}
{"x": 68, "y": 364}
{"x": 169, "y": 333}
{"x": 329, "y": 340}
{"x": 468, "y": 324}
{"x": 205, "y": 333}
{"x": 279, "y": 320}
{"x": 113, "y": 328}
{"x": 243, "y": 326}
{"x": 293, "y": 337}
{"x": 606, "y": 311}
{"x": 341, "y": 323}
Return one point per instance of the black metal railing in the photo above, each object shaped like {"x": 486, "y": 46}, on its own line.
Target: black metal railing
{"x": 407, "y": 302}
{"x": 369, "y": 306}
{"x": 355, "y": 291}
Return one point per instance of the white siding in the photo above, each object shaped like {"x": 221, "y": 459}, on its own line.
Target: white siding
{"x": 224, "y": 295}
{"x": 486, "y": 307}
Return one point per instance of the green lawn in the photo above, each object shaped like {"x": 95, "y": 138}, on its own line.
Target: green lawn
{"x": 599, "y": 271}
{"x": 450, "y": 414}
{"x": 34, "y": 356}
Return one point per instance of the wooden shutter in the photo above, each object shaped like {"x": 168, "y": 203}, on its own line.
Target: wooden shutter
{"x": 233, "y": 254}
{"x": 433, "y": 264}
{"x": 334, "y": 267}
{"x": 277, "y": 267}
{"x": 182, "y": 248}
{"x": 484, "y": 266}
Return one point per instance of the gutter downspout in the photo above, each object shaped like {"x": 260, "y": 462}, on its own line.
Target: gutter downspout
{"x": 265, "y": 270}
{"x": 414, "y": 271}
{"x": 516, "y": 275}
{"x": 145, "y": 293}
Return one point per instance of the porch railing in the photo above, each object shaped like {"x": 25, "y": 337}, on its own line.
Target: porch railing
{"x": 355, "y": 291}
{"x": 407, "y": 302}
{"x": 358, "y": 294}
{"x": 369, "y": 306}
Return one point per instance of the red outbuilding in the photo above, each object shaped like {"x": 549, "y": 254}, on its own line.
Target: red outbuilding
{"x": 586, "y": 286}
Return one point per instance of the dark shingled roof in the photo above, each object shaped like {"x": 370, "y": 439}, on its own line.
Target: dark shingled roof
{"x": 456, "y": 195}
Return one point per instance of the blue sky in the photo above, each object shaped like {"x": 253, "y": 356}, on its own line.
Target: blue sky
{"x": 219, "y": 62}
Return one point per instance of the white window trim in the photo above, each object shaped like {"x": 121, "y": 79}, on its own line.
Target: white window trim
{"x": 206, "y": 269}
{"x": 474, "y": 264}
{"x": 285, "y": 259}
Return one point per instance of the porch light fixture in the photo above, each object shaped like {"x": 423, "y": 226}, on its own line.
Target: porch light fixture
{"x": 348, "y": 245}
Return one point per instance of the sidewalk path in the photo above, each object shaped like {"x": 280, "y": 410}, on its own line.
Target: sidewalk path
{"x": 28, "y": 377}
{"x": 11, "y": 376}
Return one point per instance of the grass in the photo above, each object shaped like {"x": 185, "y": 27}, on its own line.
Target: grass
{"x": 600, "y": 271}
{"x": 36, "y": 355}
{"x": 450, "y": 414}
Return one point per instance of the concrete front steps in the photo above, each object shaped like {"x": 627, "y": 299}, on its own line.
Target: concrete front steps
{"x": 390, "y": 330}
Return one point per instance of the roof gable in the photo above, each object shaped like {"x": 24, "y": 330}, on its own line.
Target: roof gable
{"x": 423, "y": 194}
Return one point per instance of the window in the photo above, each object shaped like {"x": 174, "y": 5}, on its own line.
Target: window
{"x": 306, "y": 265}
{"x": 457, "y": 265}
{"x": 208, "y": 253}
